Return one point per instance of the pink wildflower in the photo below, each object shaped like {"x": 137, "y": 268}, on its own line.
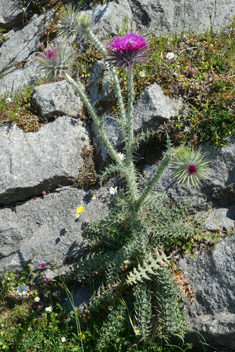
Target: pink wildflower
{"x": 55, "y": 61}
{"x": 42, "y": 266}
{"x": 129, "y": 42}
{"x": 47, "y": 280}
{"x": 128, "y": 50}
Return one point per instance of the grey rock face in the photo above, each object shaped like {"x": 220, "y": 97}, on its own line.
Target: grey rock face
{"x": 109, "y": 18}
{"x": 11, "y": 13}
{"x": 218, "y": 188}
{"x": 47, "y": 226}
{"x": 39, "y": 161}
{"x": 154, "y": 108}
{"x": 221, "y": 219}
{"x": 18, "y": 49}
{"x": 15, "y": 79}
{"x": 57, "y": 99}
{"x": 164, "y": 16}
{"x": 211, "y": 276}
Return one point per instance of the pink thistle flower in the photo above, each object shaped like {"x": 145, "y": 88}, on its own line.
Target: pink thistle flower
{"x": 51, "y": 54}
{"x": 42, "y": 266}
{"x": 128, "y": 50}
{"x": 192, "y": 169}
{"x": 55, "y": 61}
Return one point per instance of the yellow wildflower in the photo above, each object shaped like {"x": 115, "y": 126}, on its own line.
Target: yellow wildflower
{"x": 79, "y": 210}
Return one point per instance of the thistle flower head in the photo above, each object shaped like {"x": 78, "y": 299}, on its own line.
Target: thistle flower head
{"x": 70, "y": 21}
{"x": 131, "y": 49}
{"x": 190, "y": 166}
{"x": 55, "y": 61}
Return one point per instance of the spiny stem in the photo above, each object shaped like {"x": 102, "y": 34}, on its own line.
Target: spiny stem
{"x": 131, "y": 178}
{"x": 162, "y": 167}
{"x": 114, "y": 73}
{"x": 78, "y": 88}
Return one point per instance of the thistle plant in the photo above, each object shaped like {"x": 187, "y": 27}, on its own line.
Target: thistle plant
{"x": 127, "y": 240}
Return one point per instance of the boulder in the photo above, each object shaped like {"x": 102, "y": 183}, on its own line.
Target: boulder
{"x": 44, "y": 230}
{"x": 220, "y": 219}
{"x": 57, "y": 99}
{"x": 15, "y": 79}
{"x": 212, "y": 313}
{"x": 11, "y": 13}
{"x": 112, "y": 18}
{"x": 165, "y": 16}
{"x": 154, "y": 108}
{"x": 16, "y": 52}
{"x": 34, "y": 162}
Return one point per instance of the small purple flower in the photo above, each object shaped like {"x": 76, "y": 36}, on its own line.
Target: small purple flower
{"x": 128, "y": 50}
{"x": 42, "y": 266}
{"x": 47, "y": 280}
{"x": 51, "y": 54}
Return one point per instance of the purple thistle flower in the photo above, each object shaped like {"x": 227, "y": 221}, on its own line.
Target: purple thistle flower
{"x": 42, "y": 266}
{"x": 128, "y": 50}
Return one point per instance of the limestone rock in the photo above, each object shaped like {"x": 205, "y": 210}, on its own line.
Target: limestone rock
{"x": 34, "y": 162}
{"x": 15, "y": 79}
{"x": 154, "y": 108}
{"x": 212, "y": 313}
{"x": 109, "y": 18}
{"x": 164, "y": 16}
{"x": 16, "y": 51}
{"x": 47, "y": 227}
{"x": 11, "y": 13}
{"x": 221, "y": 219}
{"x": 57, "y": 99}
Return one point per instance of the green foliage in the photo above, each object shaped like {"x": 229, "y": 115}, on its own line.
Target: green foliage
{"x": 150, "y": 267}
{"x": 170, "y": 319}
{"x": 20, "y": 110}
{"x": 112, "y": 327}
{"x": 143, "y": 309}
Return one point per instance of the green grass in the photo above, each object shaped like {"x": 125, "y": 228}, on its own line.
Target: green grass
{"x": 26, "y": 326}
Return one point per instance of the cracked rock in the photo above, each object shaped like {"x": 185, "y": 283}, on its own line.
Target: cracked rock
{"x": 33, "y": 162}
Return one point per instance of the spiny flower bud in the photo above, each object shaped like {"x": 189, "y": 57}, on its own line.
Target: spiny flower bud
{"x": 131, "y": 49}
{"x": 55, "y": 61}
{"x": 70, "y": 21}
{"x": 190, "y": 166}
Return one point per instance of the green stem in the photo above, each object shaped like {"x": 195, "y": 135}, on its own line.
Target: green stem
{"x": 131, "y": 178}
{"x": 114, "y": 73}
{"x": 78, "y": 88}
{"x": 162, "y": 167}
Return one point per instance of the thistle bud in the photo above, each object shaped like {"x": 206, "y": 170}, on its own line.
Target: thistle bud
{"x": 190, "y": 166}
{"x": 55, "y": 61}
